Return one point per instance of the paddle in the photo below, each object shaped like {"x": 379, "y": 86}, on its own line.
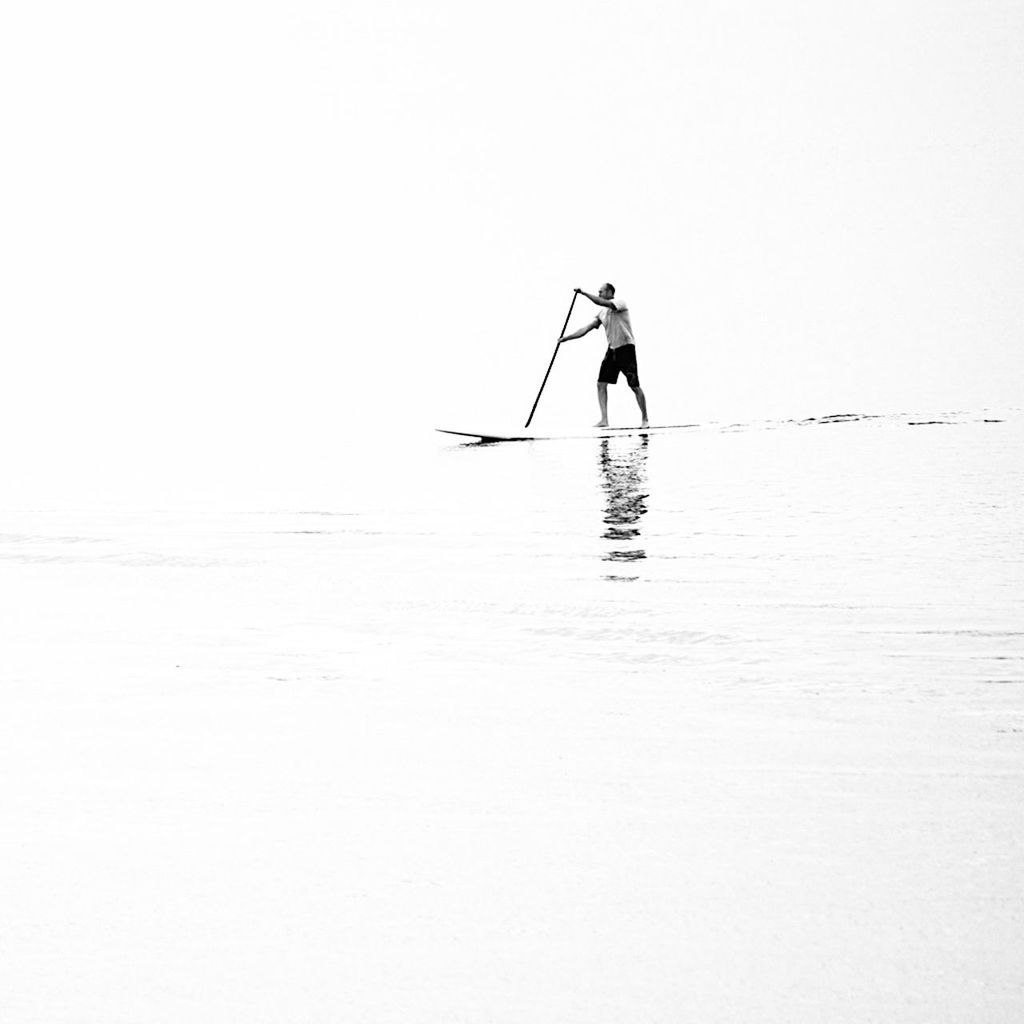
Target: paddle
{"x": 552, "y": 363}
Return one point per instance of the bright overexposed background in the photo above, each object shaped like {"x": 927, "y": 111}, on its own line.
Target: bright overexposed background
{"x": 244, "y": 236}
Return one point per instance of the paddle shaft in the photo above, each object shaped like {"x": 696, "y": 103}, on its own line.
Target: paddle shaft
{"x": 552, "y": 363}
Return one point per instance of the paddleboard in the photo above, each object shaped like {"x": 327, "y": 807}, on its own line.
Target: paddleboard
{"x": 596, "y": 432}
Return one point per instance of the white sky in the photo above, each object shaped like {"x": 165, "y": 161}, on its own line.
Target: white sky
{"x": 241, "y": 228}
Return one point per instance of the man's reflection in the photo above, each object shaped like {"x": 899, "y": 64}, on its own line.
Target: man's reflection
{"x": 624, "y": 480}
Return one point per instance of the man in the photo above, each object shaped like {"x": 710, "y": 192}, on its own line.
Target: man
{"x": 621, "y": 354}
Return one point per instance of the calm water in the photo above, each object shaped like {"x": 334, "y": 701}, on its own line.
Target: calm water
{"x": 722, "y": 724}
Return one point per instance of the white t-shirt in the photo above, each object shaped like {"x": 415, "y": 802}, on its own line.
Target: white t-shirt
{"x": 616, "y": 324}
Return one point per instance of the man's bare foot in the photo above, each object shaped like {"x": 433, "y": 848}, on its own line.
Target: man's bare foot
{"x": 601, "y": 423}
{"x": 644, "y": 424}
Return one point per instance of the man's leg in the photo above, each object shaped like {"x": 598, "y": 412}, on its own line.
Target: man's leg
{"x": 642, "y": 402}
{"x": 602, "y": 401}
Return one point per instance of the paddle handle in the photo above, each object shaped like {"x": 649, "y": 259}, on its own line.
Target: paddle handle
{"x": 552, "y": 363}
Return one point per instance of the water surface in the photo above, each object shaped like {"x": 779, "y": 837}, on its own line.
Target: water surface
{"x": 724, "y": 725}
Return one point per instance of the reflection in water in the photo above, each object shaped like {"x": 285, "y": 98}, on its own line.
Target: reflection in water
{"x": 624, "y": 481}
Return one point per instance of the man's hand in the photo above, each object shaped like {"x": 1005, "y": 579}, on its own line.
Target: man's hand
{"x": 595, "y": 299}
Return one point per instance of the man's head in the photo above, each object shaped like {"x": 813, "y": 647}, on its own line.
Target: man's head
{"x": 607, "y": 291}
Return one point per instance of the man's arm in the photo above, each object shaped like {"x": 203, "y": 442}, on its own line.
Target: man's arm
{"x": 583, "y": 330}
{"x": 596, "y": 299}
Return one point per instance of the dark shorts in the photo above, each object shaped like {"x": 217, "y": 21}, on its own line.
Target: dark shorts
{"x": 619, "y": 360}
